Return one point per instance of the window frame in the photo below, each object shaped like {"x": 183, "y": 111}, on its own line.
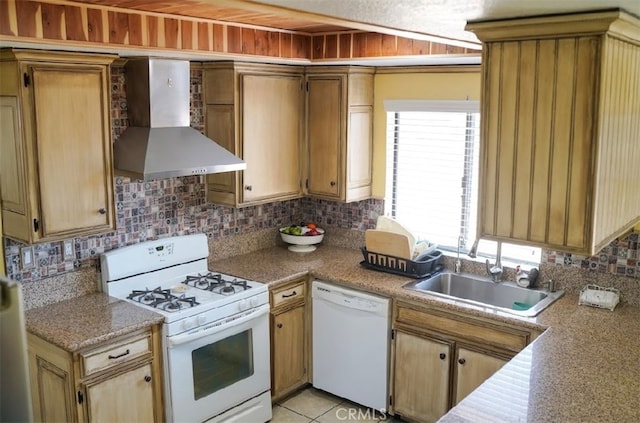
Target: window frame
{"x": 486, "y": 248}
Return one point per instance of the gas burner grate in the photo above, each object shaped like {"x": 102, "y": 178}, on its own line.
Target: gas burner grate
{"x": 216, "y": 283}
{"x": 162, "y": 299}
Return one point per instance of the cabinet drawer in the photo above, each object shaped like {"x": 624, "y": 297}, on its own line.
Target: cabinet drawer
{"x": 117, "y": 352}
{"x": 462, "y": 327}
{"x": 287, "y": 293}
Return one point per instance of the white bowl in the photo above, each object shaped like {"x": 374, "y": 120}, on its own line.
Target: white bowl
{"x": 302, "y": 243}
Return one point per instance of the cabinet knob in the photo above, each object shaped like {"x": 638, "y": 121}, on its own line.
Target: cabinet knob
{"x": 443, "y": 356}
{"x": 248, "y": 187}
{"x": 102, "y": 211}
{"x": 332, "y": 183}
{"x": 279, "y": 325}
{"x": 461, "y": 361}
{"x": 147, "y": 378}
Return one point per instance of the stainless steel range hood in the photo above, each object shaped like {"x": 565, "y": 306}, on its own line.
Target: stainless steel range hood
{"x": 159, "y": 142}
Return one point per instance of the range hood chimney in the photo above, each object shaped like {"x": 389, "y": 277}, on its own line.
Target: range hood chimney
{"x": 159, "y": 143}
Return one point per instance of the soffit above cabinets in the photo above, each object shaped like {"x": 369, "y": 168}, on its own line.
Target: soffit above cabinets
{"x": 436, "y": 20}
{"x": 228, "y": 11}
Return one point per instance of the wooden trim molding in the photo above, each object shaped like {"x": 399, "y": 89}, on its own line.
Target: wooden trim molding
{"x": 429, "y": 69}
{"x": 615, "y": 22}
{"x": 66, "y": 23}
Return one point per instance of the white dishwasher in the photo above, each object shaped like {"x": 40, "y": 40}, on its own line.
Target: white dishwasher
{"x": 351, "y": 338}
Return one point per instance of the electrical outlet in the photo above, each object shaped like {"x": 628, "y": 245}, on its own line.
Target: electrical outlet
{"x": 68, "y": 250}
{"x": 26, "y": 253}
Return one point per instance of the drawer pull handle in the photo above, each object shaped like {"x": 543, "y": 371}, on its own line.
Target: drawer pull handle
{"x": 289, "y": 295}
{"x": 443, "y": 356}
{"x": 333, "y": 183}
{"x": 279, "y": 325}
{"x": 113, "y": 357}
{"x": 102, "y": 211}
{"x": 147, "y": 378}
{"x": 462, "y": 361}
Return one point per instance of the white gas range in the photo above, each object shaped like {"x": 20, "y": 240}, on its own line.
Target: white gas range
{"x": 216, "y": 330}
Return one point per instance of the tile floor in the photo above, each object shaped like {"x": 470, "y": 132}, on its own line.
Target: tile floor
{"x": 313, "y": 405}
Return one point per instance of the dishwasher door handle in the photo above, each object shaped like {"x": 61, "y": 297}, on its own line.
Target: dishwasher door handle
{"x": 351, "y": 303}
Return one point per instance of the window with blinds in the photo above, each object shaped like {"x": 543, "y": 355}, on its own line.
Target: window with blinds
{"x": 432, "y": 174}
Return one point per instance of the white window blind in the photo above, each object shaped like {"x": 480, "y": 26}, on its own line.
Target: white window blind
{"x": 432, "y": 173}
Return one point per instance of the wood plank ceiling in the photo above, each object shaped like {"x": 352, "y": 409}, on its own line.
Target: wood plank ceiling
{"x": 197, "y": 28}
{"x": 248, "y": 14}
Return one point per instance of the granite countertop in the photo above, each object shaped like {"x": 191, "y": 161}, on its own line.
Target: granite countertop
{"x": 88, "y": 320}
{"x": 584, "y": 367}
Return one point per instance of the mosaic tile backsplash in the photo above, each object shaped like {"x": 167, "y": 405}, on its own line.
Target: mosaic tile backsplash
{"x": 148, "y": 210}
{"x": 621, "y": 257}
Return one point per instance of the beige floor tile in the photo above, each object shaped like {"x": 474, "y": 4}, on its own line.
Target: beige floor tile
{"x": 283, "y": 415}
{"x": 311, "y": 403}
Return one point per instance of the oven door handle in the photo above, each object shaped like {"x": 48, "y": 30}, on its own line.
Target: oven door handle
{"x": 181, "y": 339}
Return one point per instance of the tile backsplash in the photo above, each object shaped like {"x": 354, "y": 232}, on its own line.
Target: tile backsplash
{"x": 621, "y": 257}
{"x": 149, "y": 210}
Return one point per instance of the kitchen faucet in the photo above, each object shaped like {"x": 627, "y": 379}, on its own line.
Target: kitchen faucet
{"x": 495, "y": 271}
{"x": 458, "y": 264}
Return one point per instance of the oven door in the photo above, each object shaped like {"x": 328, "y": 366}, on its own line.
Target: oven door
{"x": 219, "y": 367}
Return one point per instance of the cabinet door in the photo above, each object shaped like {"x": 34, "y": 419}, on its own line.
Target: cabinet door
{"x": 536, "y": 154}
{"x": 325, "y": 128}
{"x": 421, "y": 377}
{"x": 73, "y": 149}
{"x": 359, "y": 153}
{"x": 51, "y": 391}
{"x": 52, "y": 382}
{"x": 288, "y": 353}
{"x": 13, "y": 184}
{"x": 124, "y": 397}
{"x": 473, "y": 368}
{"x": 271, "y": 133}
{"x": 220, "y": 127}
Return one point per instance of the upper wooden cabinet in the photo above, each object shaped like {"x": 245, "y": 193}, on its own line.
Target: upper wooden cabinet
{"x": 255, "y": 112}
{"x": 559, "y": 148}
{"x": 56, "y": 171}
{"x": 339, "y": 132}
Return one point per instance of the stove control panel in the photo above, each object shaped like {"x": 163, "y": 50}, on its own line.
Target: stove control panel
{"x": 161, "y": 250}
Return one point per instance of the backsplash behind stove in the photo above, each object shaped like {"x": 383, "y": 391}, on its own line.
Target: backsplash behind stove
{"x": 149, "y": 210}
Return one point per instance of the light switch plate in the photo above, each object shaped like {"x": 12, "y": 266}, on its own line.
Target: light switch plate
{"x": 68, "y": 250}
{"x": 26, "y": 257}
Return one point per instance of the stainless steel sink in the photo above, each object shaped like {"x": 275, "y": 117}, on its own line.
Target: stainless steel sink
{"x": 503, "y": 296}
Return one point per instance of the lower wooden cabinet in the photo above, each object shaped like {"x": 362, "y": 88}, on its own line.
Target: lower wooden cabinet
{"x": 289, "y": 350}
{"x": 421, "y": 377}
{"x": 473, "y": 368}
{"x": 440, "y": 357}
{"x": 131, "y": 390}
{"x": 116, "y": 381}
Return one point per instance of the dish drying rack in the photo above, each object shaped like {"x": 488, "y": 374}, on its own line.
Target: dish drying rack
{"x": 597, "y": 296}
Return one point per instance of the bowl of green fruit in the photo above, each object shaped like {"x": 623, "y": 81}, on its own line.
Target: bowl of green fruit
{"x": 302, "y": 237}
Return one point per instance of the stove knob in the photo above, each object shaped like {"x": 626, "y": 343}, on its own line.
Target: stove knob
{"x": 254, "y": 301}
{"x": 202, "y": 320}
{"x": 243, "y": 305}
{"x": 188, "y": 324}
